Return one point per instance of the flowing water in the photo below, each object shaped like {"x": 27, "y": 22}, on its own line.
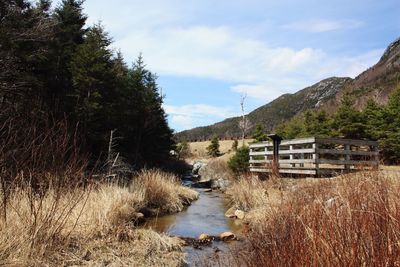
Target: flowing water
{"x": 205, "y": 215}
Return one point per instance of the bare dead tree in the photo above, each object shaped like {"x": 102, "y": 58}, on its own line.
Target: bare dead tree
{"x": 244, "y": 123}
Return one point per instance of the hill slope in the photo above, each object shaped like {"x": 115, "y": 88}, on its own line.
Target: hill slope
{"x": 376, "y": 82}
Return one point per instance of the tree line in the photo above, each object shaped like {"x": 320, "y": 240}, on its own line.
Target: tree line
{"x": 53, "y": 67}
{"x": 373, "y": 122}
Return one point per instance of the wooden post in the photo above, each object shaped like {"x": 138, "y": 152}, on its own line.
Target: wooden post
{"x": 376, "y": 158}
{"x": 315, "y": 156}
{"x": 266, "y": 153}
{"x": 347, "y": 151}
{"x": 251, "y": 157}
{"x": 276, "y": 139}
{"x": 293, "y": 165}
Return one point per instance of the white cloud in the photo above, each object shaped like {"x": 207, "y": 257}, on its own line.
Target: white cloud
{"x": 213, "y": 52}
{"x": 173, "y": 42}
{"x": 323, "y": 25}
{"x": 188, "y": 116}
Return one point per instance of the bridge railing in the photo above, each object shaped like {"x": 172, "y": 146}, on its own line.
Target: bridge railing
{"x": 315, "y": 156}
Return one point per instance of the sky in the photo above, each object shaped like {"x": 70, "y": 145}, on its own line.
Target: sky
{"x": 209, "y": 53}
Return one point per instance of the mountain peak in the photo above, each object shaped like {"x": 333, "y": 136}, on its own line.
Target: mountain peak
{"x": 392, "y": 50}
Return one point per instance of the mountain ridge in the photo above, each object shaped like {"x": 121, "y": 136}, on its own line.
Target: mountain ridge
{"x": 376, "y": 82}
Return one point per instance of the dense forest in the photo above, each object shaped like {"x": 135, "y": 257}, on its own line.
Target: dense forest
{"x": 60, "y": 80}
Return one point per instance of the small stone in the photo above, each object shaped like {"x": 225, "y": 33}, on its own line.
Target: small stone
{"x": 230, "y": 213}
{"x": 207, "y": 190}
{"x": 204, "y": 237}
{"x": 227, "y": 236}
{"x": 239, "y": 214}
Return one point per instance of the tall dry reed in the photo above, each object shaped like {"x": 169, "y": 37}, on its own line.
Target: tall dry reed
{"x": 353, "y": 220}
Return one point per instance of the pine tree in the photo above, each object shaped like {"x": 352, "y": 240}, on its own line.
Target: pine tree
{"x": 213, "y": 148}
{"x": 70, "y": 33}
{"x": 374, "y": 120}
{"x": 259, "y": 134}
{"x": 318, "y": 124}
{"x": 93, "y": 85}
{"x": 292, "y": 129}
{"x": 348, "y": 121}
{"x": 390, "y": 137}
{"x": 239, "y": 163}
{"x": 235, "y": 145}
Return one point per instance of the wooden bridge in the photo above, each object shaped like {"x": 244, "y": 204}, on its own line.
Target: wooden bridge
{"x": 314, "y": 156}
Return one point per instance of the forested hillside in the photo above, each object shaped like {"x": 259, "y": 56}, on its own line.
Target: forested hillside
{"x": 377, "y": 82}
{"x": 58, "y": 73}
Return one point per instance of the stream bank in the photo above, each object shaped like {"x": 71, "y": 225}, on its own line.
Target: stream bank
{"x": 204, "y": 216}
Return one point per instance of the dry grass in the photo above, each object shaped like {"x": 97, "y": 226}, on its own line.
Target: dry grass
{"x": 248, "y": 193}
{"x": 198, "y": 150}
{"x": 92, "y": 226}
{"x": 353, "y": 220}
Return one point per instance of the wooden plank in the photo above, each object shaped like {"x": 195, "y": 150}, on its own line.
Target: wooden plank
{"x": 260, "y": 161}
{"x": 298, "y": 141}
{"x": 347, "y": 162}
{"x": 259, "y": 145}
{"x": 288, "y": 161}
{"x": 287, "y": 171}
{"x": 282, "y": 161}
{"x": 345, "y": 142}
{"x": 262, "y": 153}
{"x": 347, "y": 152}
{"x": 285, "y": 152}
{"x": 298, "y": 171}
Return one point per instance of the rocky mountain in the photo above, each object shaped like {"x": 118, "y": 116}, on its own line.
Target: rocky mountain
{"x": 376, "y": 82}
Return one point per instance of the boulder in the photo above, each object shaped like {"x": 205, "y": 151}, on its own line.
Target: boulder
{"x": 227, "y": 236}
{"x": 220, "y": 183}
{"x": 230, "y": 213}
{"x": 239, "y": 214}
{"x": 197, "y": 166}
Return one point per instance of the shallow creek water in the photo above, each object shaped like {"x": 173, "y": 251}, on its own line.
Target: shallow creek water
{"x": 205, "y": 215}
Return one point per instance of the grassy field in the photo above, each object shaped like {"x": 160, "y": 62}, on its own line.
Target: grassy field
{"x": 198, "y": 150}
{"x": 93, "y": 226}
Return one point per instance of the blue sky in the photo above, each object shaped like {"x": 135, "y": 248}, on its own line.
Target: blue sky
{"x": 208, "y": 53}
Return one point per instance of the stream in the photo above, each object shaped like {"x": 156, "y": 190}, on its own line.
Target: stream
{"x": 205, "y": 215}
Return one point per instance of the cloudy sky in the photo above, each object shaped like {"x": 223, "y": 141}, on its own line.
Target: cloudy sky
{"x": 207, "y": 53}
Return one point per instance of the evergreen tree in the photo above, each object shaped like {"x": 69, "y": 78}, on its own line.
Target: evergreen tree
{"x": 259, "y": 134}
{"x": 235, "y": 145}
{"x": 293, "y": 129}
{"x": 93, "y": 86}
{"x": 147, "y": 137}
{"x": 69, "y": 35}
{"x": 348, "y": 121}
{"x": 318, "y": 124}
{"x": 213, "y": 148}
{"x": 390, "y": 135}
{"x": 239, "y": 163}
{"x": 374, "y": 120}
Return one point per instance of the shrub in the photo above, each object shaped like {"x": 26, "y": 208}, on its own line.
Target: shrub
{"x": 183, "y": 149}
{"x": 235, "y": 145}
{"x": 213, "y": 148}
{"x": 239, "y": 163}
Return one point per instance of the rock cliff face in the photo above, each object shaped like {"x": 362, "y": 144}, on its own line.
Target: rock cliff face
{"x": 376, "y": 82}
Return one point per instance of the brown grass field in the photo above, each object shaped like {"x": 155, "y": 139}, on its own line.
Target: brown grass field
{"x": 198, "y": 150}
